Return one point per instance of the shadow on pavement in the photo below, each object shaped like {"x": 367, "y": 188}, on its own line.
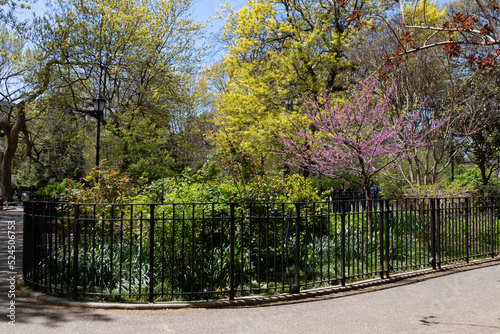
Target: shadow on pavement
{"x": 431, "y": 321}
{"x": 31, "y": 312}
{"x": 28, "y": 311}
{"x": 403, "y": 282}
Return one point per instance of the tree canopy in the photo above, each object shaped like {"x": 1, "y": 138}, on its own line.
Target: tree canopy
{"x": 141, "y": 56}
{"x": 164, "y": 113}
{"x": 279, "y": 51}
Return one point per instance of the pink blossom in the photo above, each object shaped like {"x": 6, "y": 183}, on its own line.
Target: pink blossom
{"x": 359, "y": 138}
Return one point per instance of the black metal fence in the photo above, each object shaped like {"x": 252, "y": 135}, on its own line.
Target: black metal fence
{"x": 163, "y": 252}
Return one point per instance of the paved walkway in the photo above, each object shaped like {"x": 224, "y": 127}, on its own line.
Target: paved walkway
{"x": 465, "y": 300}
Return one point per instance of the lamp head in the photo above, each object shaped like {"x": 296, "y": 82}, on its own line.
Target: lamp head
{"x": 99, "y": 104}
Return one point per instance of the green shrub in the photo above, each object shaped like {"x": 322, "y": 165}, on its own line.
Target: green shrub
{"x": 58, "y": 189}
{"x": 439, "y": 190}
{"x": 198, "y": 189}
{"x": 472, "y": 178}
{"x": 101, "y": 185}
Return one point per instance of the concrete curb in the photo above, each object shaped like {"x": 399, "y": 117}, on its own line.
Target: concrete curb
{"x": 249, "y": 301}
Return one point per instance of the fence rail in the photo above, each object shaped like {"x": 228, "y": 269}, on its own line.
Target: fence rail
{"x": 163, "y": 252}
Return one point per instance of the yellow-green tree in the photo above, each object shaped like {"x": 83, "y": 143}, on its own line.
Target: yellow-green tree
{"x": 9, "y": 10}
{"x": 280, "y": 51}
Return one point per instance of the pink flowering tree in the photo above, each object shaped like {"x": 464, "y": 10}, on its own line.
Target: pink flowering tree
{"x": 360, "y": 137}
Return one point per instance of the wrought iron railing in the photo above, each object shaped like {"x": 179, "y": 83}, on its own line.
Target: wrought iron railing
{"x": 187, "y": 251}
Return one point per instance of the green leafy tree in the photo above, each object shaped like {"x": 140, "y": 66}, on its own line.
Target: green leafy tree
{"x": 23, "y": 79}
{"x": 139, "y": 55}
{"x": 482, "y": 146}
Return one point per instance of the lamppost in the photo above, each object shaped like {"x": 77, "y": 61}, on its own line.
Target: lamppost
{"x": 99, "y": 105}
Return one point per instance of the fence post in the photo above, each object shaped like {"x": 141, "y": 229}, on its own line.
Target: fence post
{"x": 296, "y": 288}
{"x": 36, "y": 235}
{"x": 433, "y": 232}
{"x": 342, "y": 243}
{"x": 231, "y": 255}
{"x": 438, "y": 233}
{"x": 382, "y": 244}
{"x": 492, "y": 225}
{"x": 27, "y": 241}
{"x": 76, "y": 213}
{"x": 151, "y": 251}
{"x": 38, "y": 219}
{"x": 387, "y": 239}
{"x": 467, "y": 230}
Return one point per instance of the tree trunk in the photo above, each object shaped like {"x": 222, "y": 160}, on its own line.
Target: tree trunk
{"x": 481, "y": 164}
{"x": 6, "y": 156}
{"x": 368, "y": 206}
{"x": 285, "y": 172}
{"x": 5, "y": 179}
{"x": 485, "y": 176}
{"x": 8, "y": 148}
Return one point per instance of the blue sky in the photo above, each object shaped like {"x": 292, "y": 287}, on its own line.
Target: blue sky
{"x": 208, "y": 8}
{"x": 203, "y": 9}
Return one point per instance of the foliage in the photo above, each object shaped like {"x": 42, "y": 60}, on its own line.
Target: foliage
{"x": 140, "y": 55}
{"x": 457, "y": 82}
{"x": 483, "y": 145}
{"x": 24, "y": 77}
{"x": 104, "y": 185}
{"x": 437, "y": 190}
{"x": 471, "y": 35}
{"x": 197, "y": 189}
{"x": 472, "y": 177}
{"x": 62, "y": 190}
{"x": 467, "y": 184}
{"x": 462, "y": 95}
{"x": 278, "y": 51}
{"x": 101, "y": 185}
{"x": 60, "y": 142}
{"x": 238, "y": 163}
{"x": 142, "y": 58}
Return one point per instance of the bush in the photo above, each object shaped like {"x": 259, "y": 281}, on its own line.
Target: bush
{"x": 59, "y": 190}
{"x": 199, "y": 189}
{"x": 472, "y": 178}
{"x": 439, "y": 190}
{"x": 105, "y": 185}
{"x": 101, "y": 185}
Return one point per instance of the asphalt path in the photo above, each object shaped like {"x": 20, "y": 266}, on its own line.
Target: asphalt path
{"x": 459, "y": 301}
